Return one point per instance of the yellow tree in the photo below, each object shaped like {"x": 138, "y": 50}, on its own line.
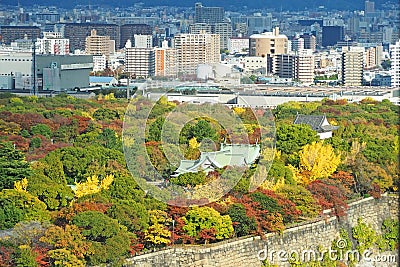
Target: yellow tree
{"x": 317, "y": 161}
{"x": 92, "y": 185}
{"x": 158, "y": 233}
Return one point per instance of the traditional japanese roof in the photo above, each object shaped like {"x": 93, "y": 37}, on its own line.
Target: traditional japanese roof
{"x": 228, "y": 155}
{"x": 318, "y": 123}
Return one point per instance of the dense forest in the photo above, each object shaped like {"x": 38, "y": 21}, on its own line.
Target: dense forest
{"x": 67, "y": 197}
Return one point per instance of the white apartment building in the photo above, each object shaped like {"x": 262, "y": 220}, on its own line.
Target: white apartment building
{"x": 140, "y": 62}
{"x": 305, "y": 67}
{"x": 352, "y": 65}
{"x": 99, "y": 62}
{"x": 395, "y": 67}
{"x": 255, "y": 65}
{"x": 195, "y": 49}
{"x": 143, "y": 41}
{"x": 238, "y": 45}
{"x": 52, "y": 43}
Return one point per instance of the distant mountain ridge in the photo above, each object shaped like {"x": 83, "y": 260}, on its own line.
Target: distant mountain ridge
{"x": 282, "y": 4}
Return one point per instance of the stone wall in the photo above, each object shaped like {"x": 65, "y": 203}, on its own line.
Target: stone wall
{"x": 248, "y": 251}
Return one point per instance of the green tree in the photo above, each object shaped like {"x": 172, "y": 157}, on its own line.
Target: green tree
{"x": 109, "y": 240}
{"x": 202, "y": 130}
{"x": 25, "y": 257}
{"x": 13, "y": 166}
{"x": 41, "y": 129}
{"x": 132, "y": 215}
{"x": 303, "y": 199}
{"x": 36, "y": 142}
{"x": 16, "y": 206}
{"x": 189, "y": 179}
{"x": 155, "y": 130}
{"x": 242, "y": 224}
{"x": 205, "y": 218}
{"x": 290, "y": 138}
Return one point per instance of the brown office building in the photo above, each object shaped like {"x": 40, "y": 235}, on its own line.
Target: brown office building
{"x": 11, "y": 33}
{"x": 77, "y": 33}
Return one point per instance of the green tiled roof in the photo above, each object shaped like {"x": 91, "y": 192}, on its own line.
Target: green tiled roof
{"x": 228, "y": 155}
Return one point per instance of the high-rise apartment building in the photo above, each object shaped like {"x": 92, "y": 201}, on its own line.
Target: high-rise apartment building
{"x": 352, "y": 66}
{"x": 224, "y": 30}
{"x": 11, "y": 33}
{"x": 208, "y": 15}
{"x": 195, "y": 49}
{"x": 128, "y": 31}
{"x": 52, "y": 43}
{"x": 285, "y": 66}
{"x": 140, "y": 62}
{"x": 98, "y": 45}
{"x": 305, "y": 67}
{"x": 143, "y": 41}
{"x": 268, "y": 43}
{"x": 373, "y": 56}
{"x": 395, "y": 67}
{"x": 310, "y": 41}
{"x": 166, "y": 61}
{"x": 77, "y": 33}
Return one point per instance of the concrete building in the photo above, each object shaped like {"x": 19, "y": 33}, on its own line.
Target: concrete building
{"x": 12, "y": 33}
{"x": 286, "y": 66}
{"x": 238, "y": 45}
{"x": 297, "y": 44}
{"x": 268, "y": 43}
{"x": 331, "y": 35}
{"x": 140, "y": 62}
{"x": 224, "y": 30}
{"x": 373, "y": 56}
{"x": 17, "y": 68}
{"x": 99, "y": 62}
{"x": 395, "y": 67}
{"x": 194, "y": 49}
{"x": 53, "y": 72}
{"x": 198, "y": 28}
{"x": 223, "y": 74}
{"x": 310, "y": 41}
{"x": 143, "y": 41}
{"x": 208, "y": 15}
{"x": 305, "y": 67}
{"x": 255, "y": 65}
{"x": 128, "y": 31}
{"x": 352, "y": 66}
{"x": 166, "y": 61}
{"x": 52, "y": 43}
{"x": 98, "y": 45}
{"x": 77, "y": 33}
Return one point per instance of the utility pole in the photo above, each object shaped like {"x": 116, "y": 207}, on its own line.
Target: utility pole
{"x": 34, "y": 65}
{"x": 127, "y": 86}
